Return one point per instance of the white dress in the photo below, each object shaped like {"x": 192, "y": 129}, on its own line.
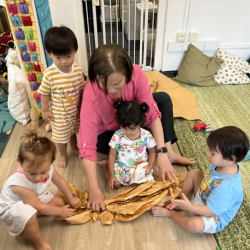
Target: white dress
{"x": 13, "y": 211}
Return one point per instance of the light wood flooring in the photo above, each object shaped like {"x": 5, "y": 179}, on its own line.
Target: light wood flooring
{"x": 144, "y": 233}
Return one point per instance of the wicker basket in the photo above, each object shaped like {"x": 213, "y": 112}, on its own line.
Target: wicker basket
{"x": 5, "y": 84}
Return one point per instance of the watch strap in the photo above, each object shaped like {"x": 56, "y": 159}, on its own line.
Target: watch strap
{"x": 162, "y": 150}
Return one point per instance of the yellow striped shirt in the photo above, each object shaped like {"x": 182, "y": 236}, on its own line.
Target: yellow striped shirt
{"x": 64, "y": 90}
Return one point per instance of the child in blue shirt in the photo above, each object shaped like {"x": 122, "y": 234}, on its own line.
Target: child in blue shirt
{"x": 219, "y": 193}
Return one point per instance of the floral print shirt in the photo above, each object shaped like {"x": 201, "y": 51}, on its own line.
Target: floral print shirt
{"x": 131, "y": 153}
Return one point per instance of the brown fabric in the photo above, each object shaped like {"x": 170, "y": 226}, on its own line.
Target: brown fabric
{"x": 184, "y": 102}
{"x": 127, "y": 205}
{"x": 154, "y": 84}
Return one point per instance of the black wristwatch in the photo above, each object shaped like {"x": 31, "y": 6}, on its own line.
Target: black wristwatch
{"x": 162, "y": 150}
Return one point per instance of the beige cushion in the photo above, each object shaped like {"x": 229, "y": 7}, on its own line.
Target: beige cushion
{"x": 184, "y": 102}
{"x": 233, "y": 70}
{"x": 197, "y": 68}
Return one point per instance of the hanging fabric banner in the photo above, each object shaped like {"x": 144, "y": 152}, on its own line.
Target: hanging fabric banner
{"x": 22, "y": 22}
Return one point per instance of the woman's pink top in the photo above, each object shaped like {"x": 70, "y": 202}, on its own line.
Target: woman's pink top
{"x": 98, "y": 115}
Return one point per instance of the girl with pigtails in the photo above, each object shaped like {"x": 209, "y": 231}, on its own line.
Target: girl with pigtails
{"x": 128, "y": 146}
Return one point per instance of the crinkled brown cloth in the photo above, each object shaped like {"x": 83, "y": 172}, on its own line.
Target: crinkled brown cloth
{"x": 127, "y": 205}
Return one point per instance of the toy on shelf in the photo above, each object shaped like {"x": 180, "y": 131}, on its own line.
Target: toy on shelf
{"x": 34, "y": 116}
{"x": 6, "y": 41}
{"x": 203, "y": 126}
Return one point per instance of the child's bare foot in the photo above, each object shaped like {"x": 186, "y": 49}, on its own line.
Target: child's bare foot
{"x": 62, "y": 162}
{"x": 160, "y": 211}
{"x": 42, "y": 245}
{"x": 75, "y": 151}
{"x": 176, "y": 158}
{"x": 116, "y": 185}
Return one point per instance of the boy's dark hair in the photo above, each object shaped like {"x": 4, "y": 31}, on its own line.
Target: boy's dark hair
{"x": 229, "y": 141}
{"x": 107, "y": 59}
{"x": 130, "y": 113}
{"x": 60, "y": 41}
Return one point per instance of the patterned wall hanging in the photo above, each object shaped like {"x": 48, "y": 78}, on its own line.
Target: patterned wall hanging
{"x": 23, "y": 27}
{"x": 45, "y": 22}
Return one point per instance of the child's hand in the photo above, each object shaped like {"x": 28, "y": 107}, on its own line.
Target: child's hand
{"x": 74, "y": 200}
{"x": 67, "y": 212}
{"x": 47, "y": 116}
{"x": 111, "y": 181}
{"x": 171, "y": 206}
{"x": 148, "y": 169}
{"x": 182, "y": 204}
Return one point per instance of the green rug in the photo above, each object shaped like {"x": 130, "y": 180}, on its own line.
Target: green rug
{"x": 222, "y": 105}
{"x": 7, "y": 123}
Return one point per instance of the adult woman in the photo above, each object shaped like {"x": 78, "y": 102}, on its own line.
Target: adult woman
{"x": 113, "y": 76}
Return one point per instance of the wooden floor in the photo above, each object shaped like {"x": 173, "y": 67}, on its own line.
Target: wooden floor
{"x": 144, "y": 233}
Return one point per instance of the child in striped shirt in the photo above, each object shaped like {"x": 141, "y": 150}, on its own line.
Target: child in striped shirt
{"x": 61, "y": 90}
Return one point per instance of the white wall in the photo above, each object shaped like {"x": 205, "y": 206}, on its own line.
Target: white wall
{"x": 70, "y": 13}
{"x": 2, "y": 3}
{"x": 225, "y": 20}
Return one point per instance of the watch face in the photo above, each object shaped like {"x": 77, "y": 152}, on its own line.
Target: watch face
{"x": 164, "y": 150}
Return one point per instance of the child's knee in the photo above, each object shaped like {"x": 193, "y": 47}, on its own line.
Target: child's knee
{"x": 32, "y": 220}
{"x": 60, "y": 202}
{"x": 196, "y": 224}
{"x": 194, "y": 173}
{"x": 57, "y": 201}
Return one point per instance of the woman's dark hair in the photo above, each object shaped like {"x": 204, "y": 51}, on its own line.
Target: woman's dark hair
{"x": 229, "y": 141}
{"x": 60, "y": 41}
{"x": 36, "y": 145}
{"x": 107, "y": 59}
{"x": 130, "y": 113}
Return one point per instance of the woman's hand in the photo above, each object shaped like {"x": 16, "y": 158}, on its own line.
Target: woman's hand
{"x": 165, "y": 166}
{"x": 47, "y": 116}
{"x": 111, "y": 181}
{"x": 95, "y": 194}
{"x": 67, "y": 212}
{"x": 75, "y": 200}
{"x": 96, "y": 200}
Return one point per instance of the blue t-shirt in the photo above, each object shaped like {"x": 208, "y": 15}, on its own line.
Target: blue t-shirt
{"x": 223, "y": 194}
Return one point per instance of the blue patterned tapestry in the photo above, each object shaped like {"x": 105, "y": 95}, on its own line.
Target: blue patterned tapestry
{"x": 7, "y": 122}
{"x": 45, "y": 22}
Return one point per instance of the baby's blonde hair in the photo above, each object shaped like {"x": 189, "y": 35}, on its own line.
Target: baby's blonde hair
{"x": 38, "y": 146}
